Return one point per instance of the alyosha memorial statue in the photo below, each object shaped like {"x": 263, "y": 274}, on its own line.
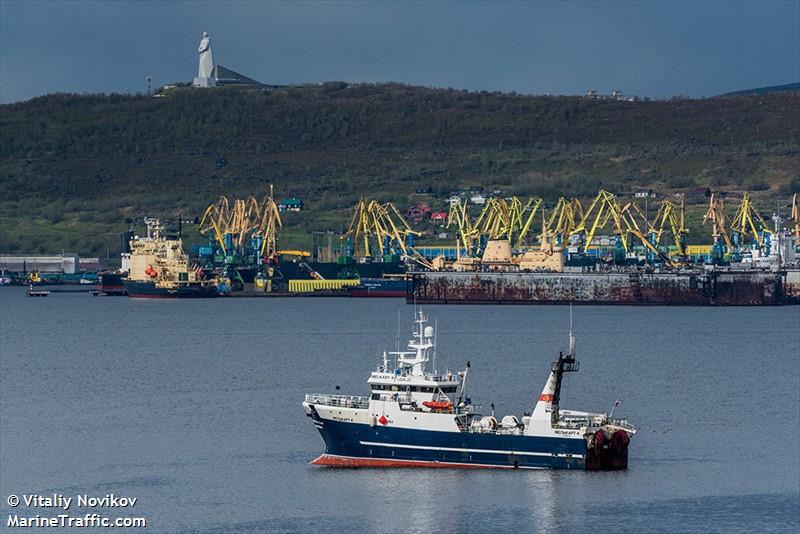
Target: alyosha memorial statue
{"x": 205, "y": 69}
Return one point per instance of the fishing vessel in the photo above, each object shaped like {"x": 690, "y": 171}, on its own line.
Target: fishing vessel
{"x": 158, "y": 267}
{"x": 416, "y": 417}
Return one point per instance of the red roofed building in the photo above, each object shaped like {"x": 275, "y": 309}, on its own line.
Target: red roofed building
{"x": 439, "y": 217}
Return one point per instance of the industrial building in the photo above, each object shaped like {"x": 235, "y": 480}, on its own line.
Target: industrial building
{"x": 61, "y": 263}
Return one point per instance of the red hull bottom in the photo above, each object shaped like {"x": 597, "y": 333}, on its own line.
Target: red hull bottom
{"x": 330, "y": 460}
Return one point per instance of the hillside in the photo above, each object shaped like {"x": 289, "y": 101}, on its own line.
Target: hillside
{"x": 75, "y": 168}
{"x": 765, "y": 90}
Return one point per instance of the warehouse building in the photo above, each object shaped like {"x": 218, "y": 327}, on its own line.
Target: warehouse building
{"x": 63, "y": 263}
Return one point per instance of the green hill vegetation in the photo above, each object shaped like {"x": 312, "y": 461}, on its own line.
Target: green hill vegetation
{"x": 76, "y": 169}
{"x": 764, "y": 90}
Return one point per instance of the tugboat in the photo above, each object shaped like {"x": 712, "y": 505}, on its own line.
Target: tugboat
{"x": 158, "y": 268}
{"x": 419, "y": 418}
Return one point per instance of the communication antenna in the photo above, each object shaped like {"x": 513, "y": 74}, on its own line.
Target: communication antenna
{"x": 149, "y": 81}
{"x": 435, "y": 347}
{"x": 397, "y": 333}
{"x": 571, "y": 337}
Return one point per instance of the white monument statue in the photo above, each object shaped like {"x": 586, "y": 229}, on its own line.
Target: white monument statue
{"x": 205, "y": 69}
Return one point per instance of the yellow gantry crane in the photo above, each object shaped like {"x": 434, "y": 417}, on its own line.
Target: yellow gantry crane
{"x": 563, "y": 217}
{"x": 628, "y": 216}
{"x": 234, "y": 225}
{"x": 360, "y": 228}
{"x": 241, "y": 220}
{"x": 512, "y": 219}
{"x": 674, "y": 217}
{"x": 719, "y": 222}
{"x": 746, "y": 220}
{"x": 625, "y": 220}
{"x": 493, "y": 221}
{"x": 267, "y": 223}
{"x": 603, "y": 208}
{"x": 215, "y": 220}
{"x": 500, "y": 218}
{"x": 373, "y": 220}
{"x": 459, "y": 217}
{"x": 532, "y": 207}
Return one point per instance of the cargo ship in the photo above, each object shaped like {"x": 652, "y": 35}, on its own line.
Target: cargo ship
{"x": 158, "y": 268}
{"x": 416, "y": 417}
{"x": 381, "y": 287}
{"x": 700, "y": 287}
{"x": 153, "y": 290}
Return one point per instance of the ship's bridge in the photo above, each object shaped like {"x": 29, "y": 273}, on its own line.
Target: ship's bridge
{"x": 424, "y": 388}
{"x": 409, "y": 377}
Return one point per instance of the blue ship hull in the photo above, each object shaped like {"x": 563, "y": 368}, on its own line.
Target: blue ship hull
{"x": 380, "y": 287}
{"x": 149, "y": 290}
{"x": 357, "y": 445}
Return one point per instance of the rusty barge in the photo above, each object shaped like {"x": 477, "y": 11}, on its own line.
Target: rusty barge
{"x": 690, "y": 288}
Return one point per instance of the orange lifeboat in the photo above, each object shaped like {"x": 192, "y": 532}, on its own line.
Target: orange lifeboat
{"x": 442, "y": 406}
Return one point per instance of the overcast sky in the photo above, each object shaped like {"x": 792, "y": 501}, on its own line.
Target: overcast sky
{"x": 655, "y": 49}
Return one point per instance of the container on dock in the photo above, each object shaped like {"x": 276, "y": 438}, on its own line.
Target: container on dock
{"x": 308, "y": 286}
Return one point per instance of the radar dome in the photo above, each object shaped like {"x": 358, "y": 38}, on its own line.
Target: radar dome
{"x": 428, "y": 331}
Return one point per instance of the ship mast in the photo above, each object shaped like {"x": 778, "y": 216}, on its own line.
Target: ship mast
{"x": 566, "y": 363}
{"x": 545, "y": 412}
{"x": 420, "y": 346}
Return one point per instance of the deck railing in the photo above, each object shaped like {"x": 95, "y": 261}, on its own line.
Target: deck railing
{"x": 345, "y": 401}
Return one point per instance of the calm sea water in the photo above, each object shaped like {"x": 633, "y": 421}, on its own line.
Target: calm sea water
{"x": 194, "y": 408}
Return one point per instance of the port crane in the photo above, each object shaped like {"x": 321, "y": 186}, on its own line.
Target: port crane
{"x": 266, "y": 226}
{"x": 603, "y": 208}
{"x": 562, "y": 219}
{"x": 214, "y": 220}
{"x": 719, "y": 219}
{"x": 749, "y": 221}
{"x": 671, "y": 216}
{"x": 512, "y": 220}
{"x": 626, "y": 221}
{"x": 531, "y": 208}
{"x": 382, "y": 222}
{"x": 242, "y": 226}
{"x": 459, "y": 216}
{"x": 494, "y": 221}
{"x": 628, "y": 215}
